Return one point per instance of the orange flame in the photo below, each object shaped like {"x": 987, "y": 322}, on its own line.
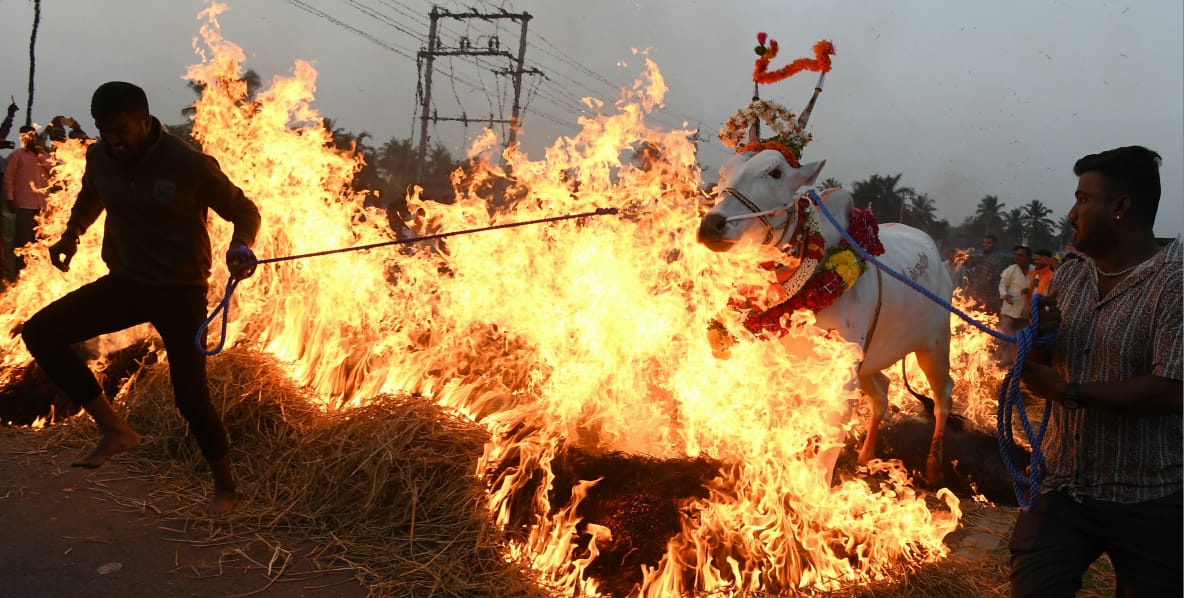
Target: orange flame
{"x": 587, "y": 334}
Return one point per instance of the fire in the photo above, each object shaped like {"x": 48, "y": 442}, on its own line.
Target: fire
{"x": 581, "y": 334}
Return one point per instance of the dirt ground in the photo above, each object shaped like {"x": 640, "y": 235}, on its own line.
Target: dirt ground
{"x": 113, "y": 532}
{"x": 102, "y": 533}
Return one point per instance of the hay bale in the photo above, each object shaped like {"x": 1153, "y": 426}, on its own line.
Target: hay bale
{"x": 27, "y": 393}
{"x": 389, "y": 489}
{"x": 638, "y": 498}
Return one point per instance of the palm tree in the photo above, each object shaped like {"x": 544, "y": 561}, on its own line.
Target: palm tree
{"x": 881, "y": 194}
{"x": 368, "y": 177}
{"x": 1037, "y": 224}
{"x": 185, "y": 130}
{"x": 921, "y": 211}
{"x": 396, "y": 165}
{"x": 988, "y": 216}
{"x": 1064, "y": 233}
{"x": 1014, "y": 226}
{"x": 830, "y": 183}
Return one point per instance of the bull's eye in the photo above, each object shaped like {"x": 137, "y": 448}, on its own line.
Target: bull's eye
{"x": 775, "y": 173}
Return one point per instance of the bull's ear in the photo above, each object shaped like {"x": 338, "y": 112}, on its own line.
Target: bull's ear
{"x": 810, "y": 172}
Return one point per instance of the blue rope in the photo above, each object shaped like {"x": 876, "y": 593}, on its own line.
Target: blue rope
{"x": 224, "y": 307}
{"x": 232, "y": 282}
{"x": 1027, "y": 486}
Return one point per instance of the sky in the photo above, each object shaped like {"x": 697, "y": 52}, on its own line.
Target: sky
{"x": 964, "y": 99}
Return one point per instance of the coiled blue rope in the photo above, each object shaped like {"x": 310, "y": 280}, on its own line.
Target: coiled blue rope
{"x": 223, "y": 306}
{"x": 1027, "y": 485}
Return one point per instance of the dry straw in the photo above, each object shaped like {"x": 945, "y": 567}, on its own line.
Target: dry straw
{"x": 390, "y": 491}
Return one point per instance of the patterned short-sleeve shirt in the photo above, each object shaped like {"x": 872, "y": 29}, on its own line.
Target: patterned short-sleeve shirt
{"x": 1134, "y": 331}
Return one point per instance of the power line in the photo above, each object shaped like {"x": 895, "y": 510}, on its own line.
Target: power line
{"x": 550, "y": 91}
{"x": 319, "y": 13}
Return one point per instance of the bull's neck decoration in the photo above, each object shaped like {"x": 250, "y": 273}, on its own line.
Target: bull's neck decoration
{"x": 823, "y": 284}
{"x": 800, "y": 257}
{"x": 742, "y": 131}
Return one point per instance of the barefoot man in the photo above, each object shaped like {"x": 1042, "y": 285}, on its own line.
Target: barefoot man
{"x": 157, "y": 191}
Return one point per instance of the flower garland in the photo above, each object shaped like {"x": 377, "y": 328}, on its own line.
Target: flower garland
{"x": 811, "y": 246}
{"x": 823, "y": 50}
{"x": 839, "y": 272}
{"x": 789, "y": 137}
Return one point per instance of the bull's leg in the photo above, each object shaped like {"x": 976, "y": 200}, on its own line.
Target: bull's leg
{"x": 875, "y": 386}
{"x": 936, "y": 365}
{"x": 829, "y": 456}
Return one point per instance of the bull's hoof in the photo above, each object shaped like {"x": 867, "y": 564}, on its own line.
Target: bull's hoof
{"x": 933, "y": 467}
{"x": 865, "y": 455}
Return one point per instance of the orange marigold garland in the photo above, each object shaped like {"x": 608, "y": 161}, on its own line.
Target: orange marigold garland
{"x": 823, "y": 50}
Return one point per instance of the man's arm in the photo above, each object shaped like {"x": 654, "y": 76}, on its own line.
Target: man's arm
{"x": 87, "y": 207}
{"x": 1005, "y": 284}
{"x": 229, "y": 202}
{"x": 1142, "y": 395}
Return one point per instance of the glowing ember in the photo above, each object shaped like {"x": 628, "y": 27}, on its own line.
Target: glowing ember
{"x": 579, "y": 334}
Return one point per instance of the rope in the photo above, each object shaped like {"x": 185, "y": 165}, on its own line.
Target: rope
{"x": 223, "y": 306}
{"x": 32, "y": 61}
{"x": 1011, "y": 401}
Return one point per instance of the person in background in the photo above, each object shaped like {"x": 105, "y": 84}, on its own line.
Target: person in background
{"x": 1013, "y": 296}
{"x": 1114, "y": 445}
{"x": 157, "y": 191}
{"x": 1038, "y": 279}
{"x": 25, "y": 180}
{"x": 55, "y": 132}
{"x": 983, "y": 272}
{"x": 6, "y": 126}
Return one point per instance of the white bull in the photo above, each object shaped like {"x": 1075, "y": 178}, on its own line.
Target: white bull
{"x": 906, "y": 322}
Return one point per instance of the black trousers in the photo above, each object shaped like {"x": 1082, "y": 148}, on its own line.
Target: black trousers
{"x": 24, "y": 233}
{"x": 1055, "y": 543}
{"x": 109, "y": 305}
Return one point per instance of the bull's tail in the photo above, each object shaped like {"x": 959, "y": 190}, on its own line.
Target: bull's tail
{"x": 926, "y": 402}
{"x": 954, "y": 422}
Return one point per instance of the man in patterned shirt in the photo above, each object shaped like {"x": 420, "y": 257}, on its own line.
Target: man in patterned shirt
{"x": 1114, "y": 441}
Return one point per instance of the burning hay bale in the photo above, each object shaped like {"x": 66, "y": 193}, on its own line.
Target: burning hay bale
{"x": 638, "y": 499}
{"x": 27, "y": 394}
{"x": 391, "y": 486}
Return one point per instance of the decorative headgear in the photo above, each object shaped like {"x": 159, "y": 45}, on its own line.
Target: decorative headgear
{"x": 789, "y": 136}
{"x": 823, "y": 50}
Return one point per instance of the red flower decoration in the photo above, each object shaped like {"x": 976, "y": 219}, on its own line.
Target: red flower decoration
{"x": 862, "y": 227}
{"x": 824, "y": 288}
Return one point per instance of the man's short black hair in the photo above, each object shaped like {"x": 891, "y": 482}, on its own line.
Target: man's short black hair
{"x": 1134, "y": 170}
{"x": 1024, "y": 248}
{"x": 993, "y": 238}
{"x": 1043, "y": 252}
{"x": 114, "y": 98}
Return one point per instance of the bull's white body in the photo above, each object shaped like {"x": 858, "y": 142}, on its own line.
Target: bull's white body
{"x": 907, "y": 322}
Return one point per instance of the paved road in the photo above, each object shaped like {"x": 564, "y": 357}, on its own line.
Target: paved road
{"x": 62, "y": 534}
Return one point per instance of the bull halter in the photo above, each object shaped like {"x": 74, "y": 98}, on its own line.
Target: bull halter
{"x": 805, "y": 243}
{"x": 762, "y": 215}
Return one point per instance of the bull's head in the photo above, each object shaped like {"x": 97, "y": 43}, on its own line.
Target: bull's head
{"x": 752, "y": 184}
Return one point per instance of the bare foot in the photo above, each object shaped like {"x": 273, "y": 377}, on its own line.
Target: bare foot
{"x": 223, "y": 502}
{"x": 109, "y": 445}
